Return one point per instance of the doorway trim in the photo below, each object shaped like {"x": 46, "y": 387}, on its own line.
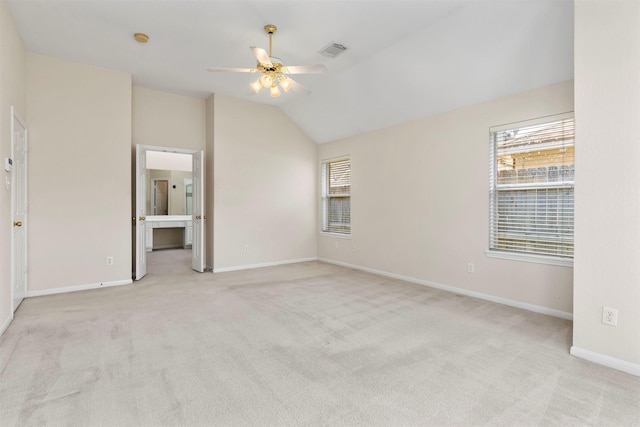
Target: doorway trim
{"x": 198, "y": 245}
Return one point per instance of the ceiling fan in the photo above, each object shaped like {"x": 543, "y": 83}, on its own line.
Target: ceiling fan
{"x": 274, "y": 72}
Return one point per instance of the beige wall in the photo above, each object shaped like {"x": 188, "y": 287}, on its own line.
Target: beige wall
{"x": 264, "y": 186}
{"x": 164, "y": 238}
{"x": 12, "y": 92}
{"x": 167, "y": 119}
{"x": 79, "y": 174}
{"x": 607, "y": 256}
{"x": 420, "y": 194}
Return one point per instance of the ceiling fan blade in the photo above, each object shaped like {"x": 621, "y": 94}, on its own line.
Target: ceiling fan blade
{"x": 262, "y": 55}
{"x": 304, "y": 69}
{"x": 232, "y": 70}
{"x": 297, "y": 87}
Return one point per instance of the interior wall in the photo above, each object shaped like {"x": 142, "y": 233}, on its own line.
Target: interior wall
{"x": 264, "y": 186}
{"x": 79, "y": 174}
{"x": 168, "y": 119}
{"x": 164, "y": 238}
{"x": 164, "y": 119}
{"x": 12, "y": 92}
{"x": 420, "y": 202}
{"x": 607, "y": 270}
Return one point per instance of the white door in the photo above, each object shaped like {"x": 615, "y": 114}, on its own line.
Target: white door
{"x": 19, "y": 210}
{"x": 197, "y": 248}
{"x": 140, "y": 214}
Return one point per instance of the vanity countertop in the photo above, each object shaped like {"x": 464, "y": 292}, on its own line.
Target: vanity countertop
{"x": 166, "y": 218}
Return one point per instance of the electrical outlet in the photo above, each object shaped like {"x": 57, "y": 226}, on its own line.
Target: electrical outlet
{"x": 471, "y": 268}
{"x": 109, "y": 260}
{"x": 610, "y": 316}
{"x": 246, "y": 249}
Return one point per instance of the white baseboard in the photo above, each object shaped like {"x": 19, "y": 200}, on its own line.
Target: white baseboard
{"x": 78, "y": 288}
{"x": 264, "y": 264}
{"x": 461, "y": 291}
{"x": 6, "y": 324}
{"x": 608, "y": 361}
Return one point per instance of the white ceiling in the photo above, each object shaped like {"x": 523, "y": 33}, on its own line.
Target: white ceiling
{"x": 407, "y": 58}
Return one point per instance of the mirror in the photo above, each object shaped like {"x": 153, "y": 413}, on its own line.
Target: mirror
{"x": 169, "y": 183}
{"x": 188, "y": 188}
{"x": 169, "y": 192}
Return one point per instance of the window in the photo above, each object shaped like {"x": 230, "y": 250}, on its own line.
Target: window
{"x": 336, "y": 196}
{"x": 531, "y": 188}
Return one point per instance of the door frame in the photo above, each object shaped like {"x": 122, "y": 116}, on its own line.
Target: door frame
{"x": 15, "y": 116}
{"x": 142, "y": 150}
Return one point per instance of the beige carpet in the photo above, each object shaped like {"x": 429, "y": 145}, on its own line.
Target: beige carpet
{"x": 295, "y": 345}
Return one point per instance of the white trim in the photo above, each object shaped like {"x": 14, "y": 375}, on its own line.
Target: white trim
{"x": 532, "y": 122}
{"x": 539, "y": 259}
{"x": 264, "y": 264}
{"x": 67, "y": 289}
{"x": 160, "y": 247}
{"x": 517, "y": 304}
{"x": 17, "y": 115}
{"x": 608, "y": 361}
{"x": 6, "y": 324}
{"x": 336, "y": 235}
{"x": 337, "y": 158}
{"x": 168, "y": 149}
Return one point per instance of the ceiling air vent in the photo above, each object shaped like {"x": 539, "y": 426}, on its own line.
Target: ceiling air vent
{"x": 332, "y": 50}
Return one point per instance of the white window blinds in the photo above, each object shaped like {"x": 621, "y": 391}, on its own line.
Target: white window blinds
{"x": 336, "y": 196}
{"x": 531, "y": 188}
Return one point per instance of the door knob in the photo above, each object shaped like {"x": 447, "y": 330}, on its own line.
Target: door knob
{"x": 17, "y": 224}
{"x": 142, "y": 218}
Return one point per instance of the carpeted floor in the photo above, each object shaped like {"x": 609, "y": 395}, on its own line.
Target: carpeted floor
{"x": 295, "y": 345}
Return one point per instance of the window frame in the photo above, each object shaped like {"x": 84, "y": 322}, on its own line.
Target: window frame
{"x": 516, "y": 255}
{"x": 325, "y": 198}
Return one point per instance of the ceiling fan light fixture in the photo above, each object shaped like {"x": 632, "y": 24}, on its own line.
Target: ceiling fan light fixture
{"x": 285, "y": 83}
{"x": 273, "y": 74}
{"x": 266, "y": 81}
{"x": 256, "y": 86}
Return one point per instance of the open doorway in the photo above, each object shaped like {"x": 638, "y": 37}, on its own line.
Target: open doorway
{"x": 169, "y": 209}
{"x": 160, "y": 196}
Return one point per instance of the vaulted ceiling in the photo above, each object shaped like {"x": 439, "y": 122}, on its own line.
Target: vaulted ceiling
{"x": 406, "y": 59}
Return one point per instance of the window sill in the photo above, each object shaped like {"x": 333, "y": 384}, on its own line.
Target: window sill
{"x": 539, "y": 259}
{"x": 338, "y": 235}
